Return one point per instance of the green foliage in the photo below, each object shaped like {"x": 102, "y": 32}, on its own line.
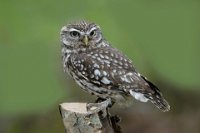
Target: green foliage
{"x": 162, "y": 36}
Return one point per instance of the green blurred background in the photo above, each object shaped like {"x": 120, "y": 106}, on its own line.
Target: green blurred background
{"x": 162, "y": 37}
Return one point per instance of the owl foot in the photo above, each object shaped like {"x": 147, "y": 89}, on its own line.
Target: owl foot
{"x": 97, "y": 107}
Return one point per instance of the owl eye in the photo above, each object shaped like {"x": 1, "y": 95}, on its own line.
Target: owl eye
{"x": 93, "y": 33}
{"x": 74, "y": 33}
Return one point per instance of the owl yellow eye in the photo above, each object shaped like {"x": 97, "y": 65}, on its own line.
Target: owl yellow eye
{"x": 74, "y": 33}
{"x": 93, "y": 33}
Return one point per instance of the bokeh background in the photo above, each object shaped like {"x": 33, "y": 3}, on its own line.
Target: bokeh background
{"x": 162, "y": 37}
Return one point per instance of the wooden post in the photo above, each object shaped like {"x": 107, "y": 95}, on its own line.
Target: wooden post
{"x": 76, "y": 119}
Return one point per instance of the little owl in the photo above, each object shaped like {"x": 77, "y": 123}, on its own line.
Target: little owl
{"x": 102, "y": 70}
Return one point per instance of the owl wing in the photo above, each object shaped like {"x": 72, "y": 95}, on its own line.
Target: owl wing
{"x": 109, "y": 68}
{"x": 104, "y": 66}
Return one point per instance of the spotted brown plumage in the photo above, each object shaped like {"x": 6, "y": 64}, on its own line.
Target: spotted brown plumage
{"x": 100, "y": 69}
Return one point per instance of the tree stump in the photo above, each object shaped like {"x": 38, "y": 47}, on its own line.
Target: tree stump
{"x": 76, "y": 119}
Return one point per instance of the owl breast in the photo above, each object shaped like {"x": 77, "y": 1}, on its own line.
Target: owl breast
{"x": 98, "y": 71}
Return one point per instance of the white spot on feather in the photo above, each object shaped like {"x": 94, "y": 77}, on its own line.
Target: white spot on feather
{"x": 101, "y": 55}
{"x": 139, "y": 74}
{"x": 106, "y": 61}
{"x": 105, "y": 80}
{"x": 124, "y": 78}
{"x": 96, "y": 65}
{"x": 98, "y": 58}
{"x": 138, "y": 96}
{"x": 115, "y": 61}
{"x": 106, "y": 57}
{"x": 114, "y": 70}
{"x": 97, "y": 72}
{"x": 105, "y": 73}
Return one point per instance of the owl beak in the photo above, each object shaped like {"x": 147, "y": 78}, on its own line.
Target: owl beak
{"x": 85, "y": 40}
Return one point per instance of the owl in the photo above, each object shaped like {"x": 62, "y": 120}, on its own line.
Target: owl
{"x": 102, "y": 70}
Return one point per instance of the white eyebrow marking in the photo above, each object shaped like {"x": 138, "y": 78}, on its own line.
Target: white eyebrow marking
{"x": 72, "y": 29}
{"x": 94, "y": 28}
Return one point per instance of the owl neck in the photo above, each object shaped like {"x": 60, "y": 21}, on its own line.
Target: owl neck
{"x": 67, "y": 50}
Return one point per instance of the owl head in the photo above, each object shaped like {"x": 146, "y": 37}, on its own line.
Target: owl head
{"x": 81, "y": 34}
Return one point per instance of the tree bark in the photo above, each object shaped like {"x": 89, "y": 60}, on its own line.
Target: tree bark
{"x": 76, "y": 119}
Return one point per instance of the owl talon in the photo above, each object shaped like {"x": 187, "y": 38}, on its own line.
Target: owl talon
{"x": 96, "y": 107}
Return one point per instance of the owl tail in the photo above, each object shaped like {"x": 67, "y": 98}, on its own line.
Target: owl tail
{"x": 159, "y": 102}
{"x": 157, "y": 99}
